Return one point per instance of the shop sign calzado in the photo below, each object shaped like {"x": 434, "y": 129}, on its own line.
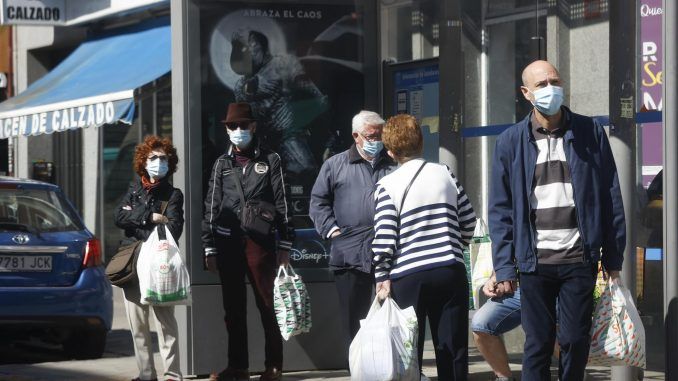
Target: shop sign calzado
{"x": 59, "y": 120}
{"x": 35, "y": 12}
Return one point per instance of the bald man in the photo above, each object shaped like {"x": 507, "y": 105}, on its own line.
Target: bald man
{"x": 555, "y": 210}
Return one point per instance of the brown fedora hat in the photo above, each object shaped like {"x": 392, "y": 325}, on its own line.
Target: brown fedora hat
{"x": 238, "y": 113}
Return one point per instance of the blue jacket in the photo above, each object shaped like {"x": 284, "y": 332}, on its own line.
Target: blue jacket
{"x": 597, "y": 196}
{"x": 343, "y": 197}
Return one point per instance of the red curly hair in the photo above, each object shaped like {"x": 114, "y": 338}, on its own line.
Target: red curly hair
{"x": 150, "y": 143}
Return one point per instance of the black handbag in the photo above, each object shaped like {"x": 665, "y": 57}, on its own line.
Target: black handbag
{"x": 257, "y": 217}
{"x": 122, "y": 268}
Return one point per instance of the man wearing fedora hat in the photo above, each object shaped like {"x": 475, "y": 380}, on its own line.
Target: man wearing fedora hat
{"x": 246, "y": 174}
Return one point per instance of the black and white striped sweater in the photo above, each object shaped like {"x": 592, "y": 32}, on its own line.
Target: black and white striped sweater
{"x": 436, "y": 222}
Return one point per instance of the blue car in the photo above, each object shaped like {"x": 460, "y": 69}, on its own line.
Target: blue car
{"x": 52, "y": 281}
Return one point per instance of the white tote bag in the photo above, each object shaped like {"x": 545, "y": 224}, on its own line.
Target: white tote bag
{"x": 617, "y": 333}
{"x": 481, "y": 260}
{"x": 385, "y": 347}
{"x": 163, "y": 277}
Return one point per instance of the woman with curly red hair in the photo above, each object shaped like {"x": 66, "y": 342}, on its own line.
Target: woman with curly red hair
{"x": 150, "y": 201}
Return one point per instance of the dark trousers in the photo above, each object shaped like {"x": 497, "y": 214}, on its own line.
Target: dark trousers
{"x": 572, "y": 285}
{"x": 442, "y": 295}
{"x": 355, "y": 297}
{"x": 239, "y": 258}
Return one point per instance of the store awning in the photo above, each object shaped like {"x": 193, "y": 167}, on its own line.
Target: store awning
{"x": 94, "y": 86}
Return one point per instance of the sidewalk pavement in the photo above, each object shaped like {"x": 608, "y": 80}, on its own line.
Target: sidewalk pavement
{"x": 123, "y": 368}
{"x": 118, "y": 363}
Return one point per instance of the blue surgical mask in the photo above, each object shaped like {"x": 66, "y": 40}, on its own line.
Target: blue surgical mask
{"x": 240, "y": 138}
{"x": 157, "y": 168}
{"x": 548, "y": 99}
{"x": 372, "y": 149}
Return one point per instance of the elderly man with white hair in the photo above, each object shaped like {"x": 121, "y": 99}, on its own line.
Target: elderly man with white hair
{"x": 342, "y": 209}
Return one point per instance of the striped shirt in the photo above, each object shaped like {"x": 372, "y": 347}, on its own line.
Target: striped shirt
{"x": 552, "y": 200}
{"x": 436, "y": 222}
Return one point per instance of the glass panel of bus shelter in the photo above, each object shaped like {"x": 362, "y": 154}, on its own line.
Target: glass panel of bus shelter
{"x": 301, "y": 68}
{"x": 119, "y": 141}
{"x": 410, "y": 38}
{"x": 649, "y": 238}
{"x": 500, "y": 38}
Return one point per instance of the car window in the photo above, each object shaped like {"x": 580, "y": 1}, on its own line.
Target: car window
{"x": 38, "y": 210}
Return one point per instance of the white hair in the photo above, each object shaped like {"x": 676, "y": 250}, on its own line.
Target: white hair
{"x": 366, "y": 118}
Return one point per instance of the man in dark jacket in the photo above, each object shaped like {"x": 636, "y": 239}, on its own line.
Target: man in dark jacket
{"x": 233, "y": 252}
{"x": 555, "y": 210}
{"x": 342, "y": 209}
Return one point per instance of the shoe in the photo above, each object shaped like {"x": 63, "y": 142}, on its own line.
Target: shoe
{"x": 231, "y": 374}
{"x": 271, "y": 374}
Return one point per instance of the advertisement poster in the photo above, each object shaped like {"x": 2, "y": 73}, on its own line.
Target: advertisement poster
{"x": 416, "y": 93}
{"x": 300, "y": 68}
{"x": 651, "y": 86}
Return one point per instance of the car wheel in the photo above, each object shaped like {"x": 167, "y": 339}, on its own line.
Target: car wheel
{"x": 85, "y": 344}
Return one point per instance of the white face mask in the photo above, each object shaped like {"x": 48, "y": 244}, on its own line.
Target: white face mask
{"x": 240, "y": 138}
{"x": 548, "y": 99}
{"x": 157, "y": 168}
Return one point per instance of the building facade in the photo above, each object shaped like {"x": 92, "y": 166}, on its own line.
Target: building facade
{"x": 308, "y": 67}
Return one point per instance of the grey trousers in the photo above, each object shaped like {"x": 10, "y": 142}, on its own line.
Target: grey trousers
{"x": 138, "y": 318}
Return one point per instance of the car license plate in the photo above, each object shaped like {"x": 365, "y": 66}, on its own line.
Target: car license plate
{"x": 25, "y": 263}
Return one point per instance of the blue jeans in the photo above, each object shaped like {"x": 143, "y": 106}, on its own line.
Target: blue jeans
{"x": 572, "y": 286}
{"x": 498, "y": 315}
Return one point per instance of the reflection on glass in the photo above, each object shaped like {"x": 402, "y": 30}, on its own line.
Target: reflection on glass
{"x": 118, "y": 152}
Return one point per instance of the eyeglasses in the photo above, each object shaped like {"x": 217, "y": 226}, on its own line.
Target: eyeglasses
{"x": 241, "y": 125}
{"x": 371, "y": 138}
{"x": 156, "y": 157}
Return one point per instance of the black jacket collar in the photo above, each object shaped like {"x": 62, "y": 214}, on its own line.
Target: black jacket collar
{"x": 354, "y": 156}
{"x": 230, "y": 152}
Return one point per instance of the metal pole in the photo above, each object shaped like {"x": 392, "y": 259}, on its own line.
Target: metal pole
{"x": 451, "y": 87}
{"x": 670, "y": 187}
{"x": 187, "y": 138}
{"x": 623, "y": 133}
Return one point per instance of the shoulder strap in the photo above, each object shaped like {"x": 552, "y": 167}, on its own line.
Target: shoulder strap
{"x": 238, "y": 184}
{"x": 402, "y": 202}
{"x": 163, "y": 207}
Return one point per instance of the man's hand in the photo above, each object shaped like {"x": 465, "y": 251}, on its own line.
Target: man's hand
{"x": 158, "y": 218}
{"x": 383, "y": 289}
{"x": 211, "y": 264}
{"x": 335, "y": 233}
{"x": 283, "y": 257}
{"x": 490, "y": 288}
{"x": 505, "y": 287}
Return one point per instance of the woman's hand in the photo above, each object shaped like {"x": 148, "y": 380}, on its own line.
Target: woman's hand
{"x": 211, "y": 264}
{"x": 283, "y": 257}
{"x": 158, "y": 218}
{"x": 383, "y": 289}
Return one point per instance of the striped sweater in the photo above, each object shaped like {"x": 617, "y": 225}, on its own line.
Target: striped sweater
{"x": 436, "y": 222}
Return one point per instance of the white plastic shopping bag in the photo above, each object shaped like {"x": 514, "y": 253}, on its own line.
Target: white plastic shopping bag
{"x": 617, "y": 333}
{"x": 291, "y": 302}
{"x": 163, "y": 277}
{"x": 481, "y": 260}
{"x": 385, "y": 347}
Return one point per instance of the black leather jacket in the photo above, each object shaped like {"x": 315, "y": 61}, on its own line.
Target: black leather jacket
{"x": 134, "y": 212}
{"x": 262, "y": 179}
